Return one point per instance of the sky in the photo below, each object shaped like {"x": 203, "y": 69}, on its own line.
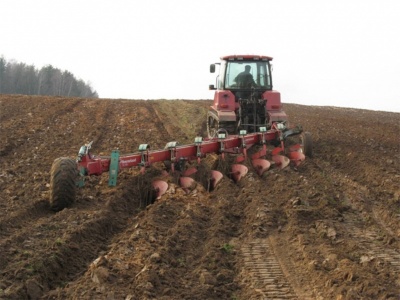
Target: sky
{"x": 343, "y": 53}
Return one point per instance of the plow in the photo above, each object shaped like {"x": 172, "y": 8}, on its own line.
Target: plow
{"x": 246, "y": 126}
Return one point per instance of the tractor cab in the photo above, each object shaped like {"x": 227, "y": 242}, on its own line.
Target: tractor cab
{"x": 243, "y": 73}
{"x": 243, "y": 99}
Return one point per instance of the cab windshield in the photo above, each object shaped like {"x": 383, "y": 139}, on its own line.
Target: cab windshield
{"x": 248, "y": 74}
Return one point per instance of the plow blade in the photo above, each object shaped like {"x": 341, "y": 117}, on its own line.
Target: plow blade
{"x": 186, "y": 182}
{"x": 160, "y": 187}
{"x": 216, "y": 177}
{"x": 281, "y": 161}
{"x": 238, "y": 171}
{"x": 296, "y": 158}
{"x": 261, "y": 165}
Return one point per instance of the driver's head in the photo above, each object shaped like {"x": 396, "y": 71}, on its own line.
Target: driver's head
{"x": 247, "y": 68}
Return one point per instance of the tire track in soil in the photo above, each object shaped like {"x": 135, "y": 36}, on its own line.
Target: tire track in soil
{"x": 264, "y": 271}
{"x": 382, "y": 223}
{"x": 302, "y": 287}
{"x": 368, "y": 242}
{"x": 267, "y": 272}
{"x": 362, "y": 197}
{"x": 367, "y": 237}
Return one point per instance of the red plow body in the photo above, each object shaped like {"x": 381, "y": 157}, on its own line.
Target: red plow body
{"x": 176, "y": 156}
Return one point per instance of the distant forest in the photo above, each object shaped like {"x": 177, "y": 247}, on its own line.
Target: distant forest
{"x": 20, "y": 78}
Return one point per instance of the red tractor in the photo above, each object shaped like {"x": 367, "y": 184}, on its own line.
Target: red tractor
{"x": 244, "y": 98}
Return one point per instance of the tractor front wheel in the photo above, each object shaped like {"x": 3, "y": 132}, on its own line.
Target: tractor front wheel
{"x": 63, "y": 178}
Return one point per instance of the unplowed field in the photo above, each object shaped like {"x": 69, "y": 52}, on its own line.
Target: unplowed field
{"x": 328, "y": 229}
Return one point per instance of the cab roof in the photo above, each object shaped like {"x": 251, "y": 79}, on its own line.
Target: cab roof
{"x": 246, "y": 57}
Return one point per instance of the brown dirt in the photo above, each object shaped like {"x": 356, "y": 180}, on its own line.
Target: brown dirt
{"x": 327, "y": 230}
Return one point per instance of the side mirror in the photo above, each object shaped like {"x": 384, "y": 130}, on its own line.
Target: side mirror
{"x": 212, "y": 68}
{"x": 211, "y": 87}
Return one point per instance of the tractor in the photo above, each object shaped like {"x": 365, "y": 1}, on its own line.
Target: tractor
{"x": 244, "y": 98}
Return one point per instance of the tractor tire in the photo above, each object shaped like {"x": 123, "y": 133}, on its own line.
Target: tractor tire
{"x": 212, "y": 126}
{"x": 307, "y": 144}
{"x": 63, "y": 178}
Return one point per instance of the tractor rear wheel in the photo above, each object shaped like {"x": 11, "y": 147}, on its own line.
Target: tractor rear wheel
{"x": 307, "y": 144}
{"x": 63, "y": 178}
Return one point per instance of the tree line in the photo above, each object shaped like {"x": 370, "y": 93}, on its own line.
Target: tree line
{"x": 20, "y": 78}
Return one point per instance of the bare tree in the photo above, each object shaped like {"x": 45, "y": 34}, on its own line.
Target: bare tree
{"x": 19, "y": 78}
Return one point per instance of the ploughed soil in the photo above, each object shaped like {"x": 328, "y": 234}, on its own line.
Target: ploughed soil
{"x": 328, "y": 229}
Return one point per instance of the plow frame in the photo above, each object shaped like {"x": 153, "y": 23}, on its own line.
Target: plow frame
{"x": 89, "y": 164}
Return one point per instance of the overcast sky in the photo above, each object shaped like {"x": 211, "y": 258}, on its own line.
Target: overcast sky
{"x": 342, "y": 53}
